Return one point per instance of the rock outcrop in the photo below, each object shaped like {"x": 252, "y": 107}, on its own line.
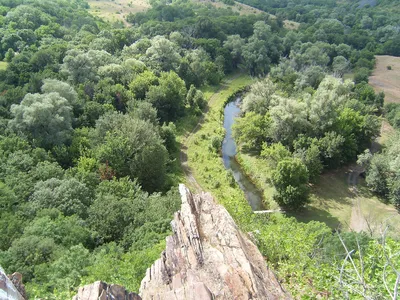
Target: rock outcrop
{"x": 103, "y": 291}
{"x": 208, "y": 257}
{"x": 11, "y": 287}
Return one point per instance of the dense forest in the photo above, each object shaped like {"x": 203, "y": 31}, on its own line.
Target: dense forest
{"x": 90, "y": 112}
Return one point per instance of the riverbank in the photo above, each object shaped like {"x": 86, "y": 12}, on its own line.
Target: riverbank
{"x": 203, "y": 153}
{"x": 253, "y": 195}
{"x": 258, "y": 171}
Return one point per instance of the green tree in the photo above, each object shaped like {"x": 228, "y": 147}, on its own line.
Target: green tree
{"x": 26, "y": 253}
{"x": 168, "y": 97}
{"x": 251, "y": 131}
{"x": 132, "y": 147}
{"x": 331, "y": 146}
{"x": 68, "y": 195}
{"x": 311, "y": 159}
{"x": 46, "y": 119}
{"x": 361, "y": 75}
{"x": 290, "y": 179}
{"x": 82, "y": 66}
{"x": 259, "y": 98}
{"x": 142, "y": 83}
{"x": 234, "y": 43}
{"x": 64, "y": 90}
{"x": 289, "y": 119}
{"x": 162, "y": 55}
{"x": 143, "y": 110}
{"x": 275, "y": 153}
{"x": 125, "y": 203}
{"x": 340, "y": 65}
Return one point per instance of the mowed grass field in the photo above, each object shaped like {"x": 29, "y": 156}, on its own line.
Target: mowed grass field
{"x": 117, "y": 10}
{"x": 342, "y": 206}
{"x": 386, "y": 80}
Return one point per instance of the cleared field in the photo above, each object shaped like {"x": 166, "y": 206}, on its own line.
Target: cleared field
{"x": 291, "y": 25}
{"x": 3, "y": 65}
{"x": 241, "y": 8}
{"x": 331, "y": 201}
{"x": 117, "y": 10}
{"x": 340, "y": 205}
{"x": 245, "y": 9}
{"x": 386, "y": 80}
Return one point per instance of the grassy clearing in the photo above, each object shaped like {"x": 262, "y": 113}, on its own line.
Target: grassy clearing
{"x": 386, "y": 80}
{"x": 331, "y": 201}
{"x": 3, "y": 65}
{"x": 338, "y": 205}
{"x": 291, "y": 25}
{"x": 206, "y": 164}
{"x": 377, "y": 214}
{"x": 117, "y": 10}
{"x": 240, "y": 8}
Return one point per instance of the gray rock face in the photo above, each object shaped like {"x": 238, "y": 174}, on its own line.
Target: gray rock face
{"x": 102, "y": 291}
{"x": 11, "y": 288}
{"x": 208, "y": 257}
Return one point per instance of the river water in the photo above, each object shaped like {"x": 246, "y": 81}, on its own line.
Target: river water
{"x": 253, "y": 196}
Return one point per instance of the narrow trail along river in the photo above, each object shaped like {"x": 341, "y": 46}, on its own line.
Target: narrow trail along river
{"x": 253, "y": 195}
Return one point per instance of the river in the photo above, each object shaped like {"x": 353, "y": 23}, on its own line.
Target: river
{"x": 253, "y": 195}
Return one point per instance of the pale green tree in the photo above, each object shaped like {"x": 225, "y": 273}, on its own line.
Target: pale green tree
{"x": 162, "y": 55}
{"x": 45, "y": 119}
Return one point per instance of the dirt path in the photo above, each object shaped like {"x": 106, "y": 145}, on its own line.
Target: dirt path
{"x": 358, "y": 221}
{"x": 184, "y": 144}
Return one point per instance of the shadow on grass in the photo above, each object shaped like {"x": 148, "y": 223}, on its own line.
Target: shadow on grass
{"x": 310, "y": 213}
{"x": 331, "y": 200}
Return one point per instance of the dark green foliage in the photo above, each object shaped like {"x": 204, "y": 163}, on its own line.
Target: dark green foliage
{"x": 168, "y": 97}
{"x": 68, "y": 195}
{"x": 290, "y": 180}
{"x": 382, "y": 175}
{"x": 392, "y": 112}
{"x": 132, "y": 147}
{"x": 119, "y": 204}
{"x": 361, "y": 75}
{"x": 67, "y": 73}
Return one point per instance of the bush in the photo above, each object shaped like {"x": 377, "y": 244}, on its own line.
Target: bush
{"x": 216, "y": 142}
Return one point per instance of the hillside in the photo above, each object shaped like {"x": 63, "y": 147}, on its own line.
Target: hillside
{"x": 117, "y": 10}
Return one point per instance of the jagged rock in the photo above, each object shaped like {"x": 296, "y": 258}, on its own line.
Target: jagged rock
{"x": 208, "y": 258}
{"x": 16, "y": 279}
{"x": 11, "y": 288}
{"x": 103, "y": 291}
